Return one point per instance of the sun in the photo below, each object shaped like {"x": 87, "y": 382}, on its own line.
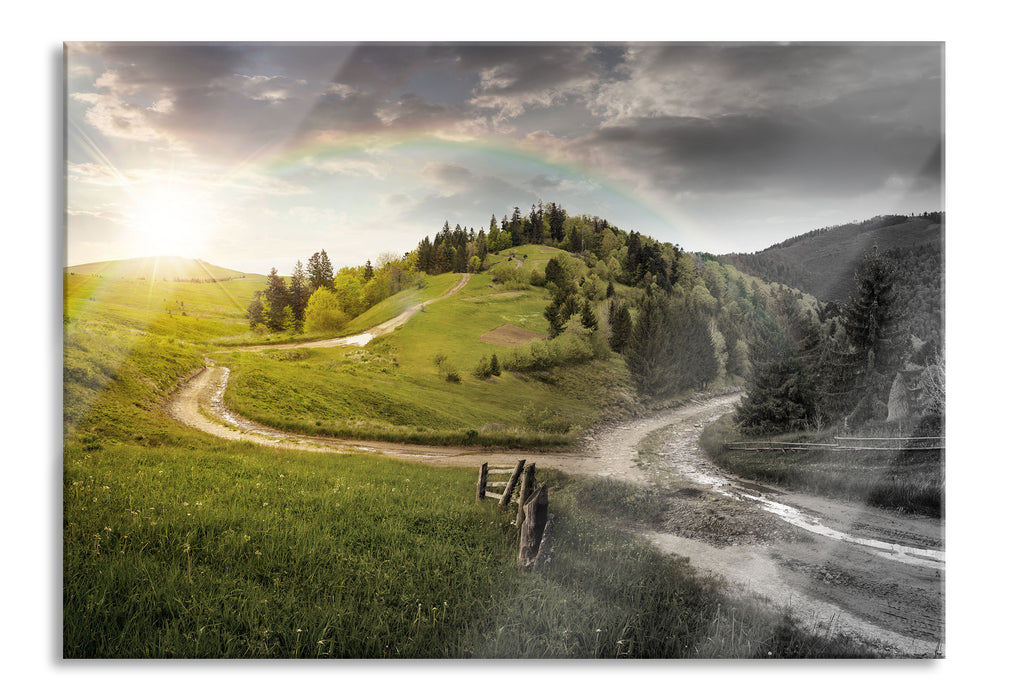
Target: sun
{"x": 169, "y": 220}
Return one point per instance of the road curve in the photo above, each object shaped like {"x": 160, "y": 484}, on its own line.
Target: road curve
{"x": 360, "y": 339}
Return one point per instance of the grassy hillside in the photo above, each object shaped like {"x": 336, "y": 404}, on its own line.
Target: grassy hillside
{"x": 399, "y": 387}
{"x": 165, "y": 268}
{"x": 127, "y": 344}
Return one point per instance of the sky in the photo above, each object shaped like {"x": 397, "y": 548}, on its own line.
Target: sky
{"x": 257, "y": 155}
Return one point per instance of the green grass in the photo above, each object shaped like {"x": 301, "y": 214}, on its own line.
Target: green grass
{"x": 911, "y": 482}
{"x": 177, "y": 545}
{"x": 245, "y": 552}
{"x": 394, "y": 390}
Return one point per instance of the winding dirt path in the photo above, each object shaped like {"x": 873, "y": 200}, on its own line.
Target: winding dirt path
{"x": 361, "y": 339}
{"x": 827, "y": 584}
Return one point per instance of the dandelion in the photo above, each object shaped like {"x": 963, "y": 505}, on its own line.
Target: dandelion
{"x": 247, "y": 538}
{"x": 258, "y": 553}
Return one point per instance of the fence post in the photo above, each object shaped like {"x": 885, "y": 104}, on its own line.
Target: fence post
{"x": 526, "y": 488}
{"x": 536, "y": 516}
{"x": 481, "y": 484}
{"x": 511, "y": 484}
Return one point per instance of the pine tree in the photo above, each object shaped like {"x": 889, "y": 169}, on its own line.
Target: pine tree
{"x": 299, "y": 292}
{"x": 255, "y": 311}
{"x": 276, "y": 297}
{"x": 620, "y": 326}
{"x": 320, "y": 271}
{"x": 589, "y": 319}
{"x": 870, "y": 319}
{"x": 649, "y": 352}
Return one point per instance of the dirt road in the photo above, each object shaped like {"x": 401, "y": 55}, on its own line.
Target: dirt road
{"x": 361, "y": 339}
{"x": 835, "y": 567}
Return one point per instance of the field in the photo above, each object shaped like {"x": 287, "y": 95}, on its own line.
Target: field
{"x": 178, "y": 546}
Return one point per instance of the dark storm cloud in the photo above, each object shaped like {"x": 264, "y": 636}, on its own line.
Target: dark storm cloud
{"x": 766, "y": 152}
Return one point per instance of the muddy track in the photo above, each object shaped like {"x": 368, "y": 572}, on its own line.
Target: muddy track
{"x": 835, "y": 567}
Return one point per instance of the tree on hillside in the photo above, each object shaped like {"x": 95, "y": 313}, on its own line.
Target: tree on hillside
{"x": 866, "y": 367}
{"x": 255, "y": 311}
{"x": 649, "y": 351}
{"x": 620, "y": 326}
{"x": 299, "y": 292}
{"x": 275, "y": 299}
{"x": 320, "y": 271}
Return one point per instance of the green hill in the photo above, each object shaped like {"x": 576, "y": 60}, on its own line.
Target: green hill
{"x": 165, "y": 268}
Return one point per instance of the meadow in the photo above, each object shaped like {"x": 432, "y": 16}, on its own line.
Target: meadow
{"x": 176, "y": 545}
{"x": 244, "y": 552}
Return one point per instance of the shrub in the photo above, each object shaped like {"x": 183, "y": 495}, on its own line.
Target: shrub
{"x": 323, "y": 313}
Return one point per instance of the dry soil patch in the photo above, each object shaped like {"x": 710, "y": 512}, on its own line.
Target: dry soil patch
{"x": 510, "y": 336}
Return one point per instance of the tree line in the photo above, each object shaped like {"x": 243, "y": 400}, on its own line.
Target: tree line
{"x": 848, "y": 364}
{"x": 318, "y": 300}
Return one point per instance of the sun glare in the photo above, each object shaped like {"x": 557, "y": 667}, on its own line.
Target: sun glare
{"x": 169, "y": 221}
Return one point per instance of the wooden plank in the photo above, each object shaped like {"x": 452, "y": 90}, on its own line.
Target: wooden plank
{"x": 491, "y": 494}
{"x": 528, "y": 484}
{"x": 511, "y": 483}
{"x": 481, "y": 483}
{"x": 500, "y": 471}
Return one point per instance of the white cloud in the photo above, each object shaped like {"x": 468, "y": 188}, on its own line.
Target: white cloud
{"x": 132, "y": 122}
{"x": 263, "y": 88}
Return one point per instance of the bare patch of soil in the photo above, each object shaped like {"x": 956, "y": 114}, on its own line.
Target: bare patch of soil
{"x": 510, "y": 336}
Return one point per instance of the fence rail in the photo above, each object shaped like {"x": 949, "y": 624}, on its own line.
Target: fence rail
{"x": 846, "y": 444}
{"x": 533, "y": 518}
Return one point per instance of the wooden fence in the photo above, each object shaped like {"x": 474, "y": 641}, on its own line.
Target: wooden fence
{"x": 848, "y": 444}
{"x": 533, "y": 519}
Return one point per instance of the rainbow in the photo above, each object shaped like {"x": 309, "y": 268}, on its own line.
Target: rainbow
{"x": 499, "y": 154}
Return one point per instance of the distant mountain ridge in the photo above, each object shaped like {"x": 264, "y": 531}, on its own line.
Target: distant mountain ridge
{"x": 823, "y": 262}
{"x": 168, "y": 268}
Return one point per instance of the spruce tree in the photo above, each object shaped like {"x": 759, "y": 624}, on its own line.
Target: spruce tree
{"x": 649, "y": 352}
{"x": 276, "y": 297}
{"x": 875, "y": 343}
{"x": 620, "y": 326}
